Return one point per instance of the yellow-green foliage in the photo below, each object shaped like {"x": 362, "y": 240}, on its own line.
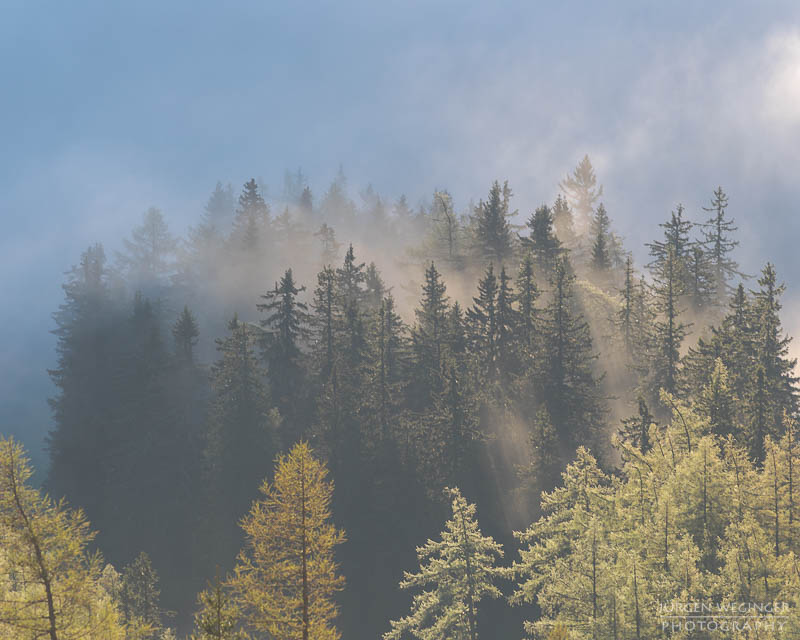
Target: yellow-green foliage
{"x": 286, "y": 576}
{"x": 49, "y": 583}
{"x": 693, "y": 519}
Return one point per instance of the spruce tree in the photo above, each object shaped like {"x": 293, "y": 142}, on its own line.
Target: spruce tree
{"x": 563, "y": 223}
{"x": 527, "y": 295}
{"x": 582, "y": 192}
{"x": 185, "y": 333}
{"x": 570, "y": 389}
{"x": 240, "y": 435}
{"x": 719, "y": 244}
{"x": 669, "y": 330}
{"x": 323, "y": 322}
{"x": 483, "y": 329}
{"x": 329, "y": 246}
{"x": 493, "y": 237}
{"x": 285, "y": 327}
{"x": 252, "y": 221}
{"x": 542, "y": 242}
{"x": 428, "y": 339}
{"x": 601, "y": 224}
{"x": 148, "y": 258}
{"x": 456, "y": 573}
{"x": 676, "y": 247}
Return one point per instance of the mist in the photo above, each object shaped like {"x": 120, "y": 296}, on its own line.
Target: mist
{"x": 109, "y": 111}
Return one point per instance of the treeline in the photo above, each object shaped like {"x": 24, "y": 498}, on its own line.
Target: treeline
{"x": 557, "y": 337}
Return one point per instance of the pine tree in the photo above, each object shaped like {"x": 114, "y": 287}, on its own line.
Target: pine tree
{"x": 456, "y": 573}
{"x": 492, "y": 233}
{"x": 719, "y": 244}
{"x": 49, "y": 582}
{"x": 286, "y": 577}
{"x": 185, "y": 332}
{"x": 582, "y": 191}
{"x": 218, "y": 617}
{"x": 506, "y": 325}
{"x": 542, "y": 242}
{"x": 285, "y": 327}
{"x": 375, "y": 287}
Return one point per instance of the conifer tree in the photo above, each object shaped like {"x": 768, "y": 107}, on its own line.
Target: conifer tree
{"x": 286, "y": 577}
{"x": 493, "y": 234}
{"x": 456, "y": 573}
{"x": 323, "y": 322}
{"x": 218, "y": 617}
{"x": 285, "y": 327}
{"x": 252, "y": 221}
{"x": 506, "y": 325}
{"x": 669, "y": 330}
{"x": 699, "y": 285}
{"x": 771, "y": 353}
{"x": 240, "y": 437}
{"x": 542, "y": 242}
{"x": 636, "y": 429}
{"x": 582, "y": 192}
{"x": 571, "y": 391}
{"x": 330, "y": 248}
{"x": 719, "y": 244}
{"x": 148, "y": 257}
{"x": 84, "y": 377}
{"x": 563, "y": 223}
{"x": 627, "y": 313}
{"x": 185, "y": 333}
{"x": 139, "y": 595}
{"x": 675, "y": 247}
{"x": 428, "y": 338}
{"x": 482, "y": 319}
{"x": 527, "y": 295}
{"x": 601, "y": 225}
{"x": 49, "y": 581}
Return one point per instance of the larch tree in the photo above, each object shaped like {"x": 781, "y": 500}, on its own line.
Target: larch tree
{"x": 218, "y": 617}
{"x": 286, "y": 577}
{"x": 49, "y": 581}
{"x": 456, "y": 574}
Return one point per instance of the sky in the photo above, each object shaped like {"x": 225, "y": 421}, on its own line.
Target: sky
{"x": 108, "y": 108}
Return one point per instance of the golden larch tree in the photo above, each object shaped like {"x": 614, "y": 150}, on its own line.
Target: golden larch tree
{"x": 286, "y": 576}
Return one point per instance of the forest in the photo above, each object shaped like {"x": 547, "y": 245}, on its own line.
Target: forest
{"x": 315, "y": 417}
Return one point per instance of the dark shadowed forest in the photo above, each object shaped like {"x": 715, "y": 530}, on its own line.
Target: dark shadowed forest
{"x": 329, "y": 415}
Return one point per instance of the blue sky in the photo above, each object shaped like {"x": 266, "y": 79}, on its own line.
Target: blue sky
{"x": 108, "y": 108}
